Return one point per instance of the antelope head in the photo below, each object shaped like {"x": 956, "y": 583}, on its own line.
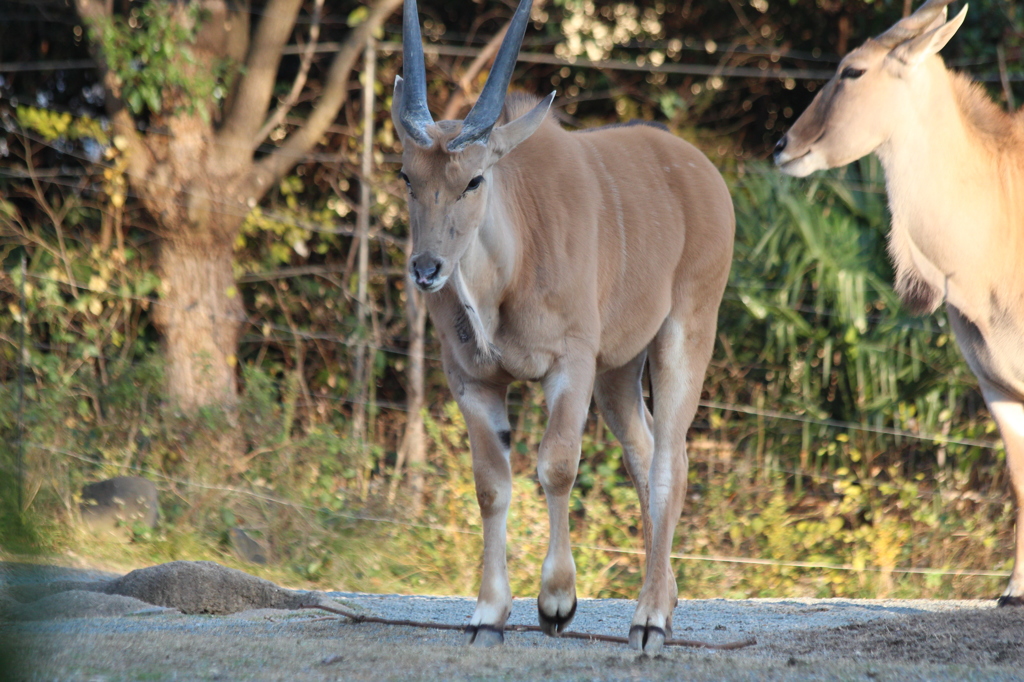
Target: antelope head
{"x": 447, "y": 166}
{"x": 858, "y": 110}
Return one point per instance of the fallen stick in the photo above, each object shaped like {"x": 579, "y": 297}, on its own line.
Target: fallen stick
{"x": 360, "y": 618}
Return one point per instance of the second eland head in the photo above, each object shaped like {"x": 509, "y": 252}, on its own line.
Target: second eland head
{"x": 857, "y": 111}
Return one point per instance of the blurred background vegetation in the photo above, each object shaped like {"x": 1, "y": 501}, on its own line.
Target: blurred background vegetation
{"x": 841, "y": 443}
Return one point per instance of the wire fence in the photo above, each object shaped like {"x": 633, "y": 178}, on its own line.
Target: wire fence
{"x": 266, "y": 327}
{"x": 938, "y": 439}
{"x": 365, "y": 518}
{"x": 781, "y": 51}
{"x": 61, "y": 177}
{"x": 771, "y": 69}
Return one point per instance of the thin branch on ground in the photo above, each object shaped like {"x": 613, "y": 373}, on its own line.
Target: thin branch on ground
{"x": 359, "y": 618}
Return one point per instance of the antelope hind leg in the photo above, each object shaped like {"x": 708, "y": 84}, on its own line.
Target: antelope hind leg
{"x": 487, "y": 422}
{"x": 1009, "y": 414}
{"x": 567, "y": 391}
{"x": 619, "y": 395}
{"x": 679, "y": 358}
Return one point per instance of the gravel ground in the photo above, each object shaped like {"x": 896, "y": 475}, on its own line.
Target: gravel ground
{"x": 798, "y": 639}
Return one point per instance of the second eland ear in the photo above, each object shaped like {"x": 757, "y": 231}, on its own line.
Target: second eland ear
{"x": 509, "y": 136}
{"x": 913, "y": 52}
{"x": 396, "y": 109}
{"x": 939, "y": 20}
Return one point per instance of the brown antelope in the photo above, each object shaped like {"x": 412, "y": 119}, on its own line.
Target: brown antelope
{"x": 570, "y": 259}
{"x": 954, "y": 171}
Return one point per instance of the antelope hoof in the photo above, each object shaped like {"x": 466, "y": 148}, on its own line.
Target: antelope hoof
{"x": 554, "y": 625}
{"x": 484, "y": 636}
{"x": 1007, "y": 600}
{"x": 648, "y": 638}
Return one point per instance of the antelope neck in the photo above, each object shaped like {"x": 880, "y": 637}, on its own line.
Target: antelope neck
{"x": 931, "y": 164}
{"x": 491, "y": 261}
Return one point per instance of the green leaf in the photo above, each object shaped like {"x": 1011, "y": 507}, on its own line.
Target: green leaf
{"x": 152, "y": 97}
{"x": 134, "y": 100}
{"x": 358, "y": 16}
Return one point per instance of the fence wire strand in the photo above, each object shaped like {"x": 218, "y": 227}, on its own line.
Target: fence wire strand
{"x": 746, "y": 409}
{"x": 775, "y": 563}
{"x": 347, "y": 231}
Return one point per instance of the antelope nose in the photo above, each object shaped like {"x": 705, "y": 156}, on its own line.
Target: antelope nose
{"x": 425, "y": 268}
{"x": 780, "y": 147}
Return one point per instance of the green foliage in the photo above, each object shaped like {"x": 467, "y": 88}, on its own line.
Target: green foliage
{"x": 281, "y": 235}
{"x": 867, "y": 526}
{"x": 811, "y": 326}
{"x": 53, "y": 125}
{"x": 809, "y": 329}
{"x": 151, "y": 51}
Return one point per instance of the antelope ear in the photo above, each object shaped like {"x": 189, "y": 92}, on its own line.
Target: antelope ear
{"x": 939, "y": 20}
{"x": 912, "y": 52}
{"x": 509, "y": 136}
{"x": 396, "y": 109}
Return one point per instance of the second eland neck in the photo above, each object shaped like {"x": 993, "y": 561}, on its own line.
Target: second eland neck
{"x": 942, "y": 181}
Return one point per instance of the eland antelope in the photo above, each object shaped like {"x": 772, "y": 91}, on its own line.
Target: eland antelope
{"x": 570, "y": 259}
{"x": 954, "y": 171}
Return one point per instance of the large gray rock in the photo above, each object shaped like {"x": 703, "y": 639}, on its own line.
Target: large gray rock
{"x": 30, "y": 592}
{"x": 119, "y": 502}
{"x": 21, "y": 573}
{"x": 193, "y": 587}
{"x": 80, "y": 604}
{"x": 205, "y": 587}
{"x": 7, "y": 605}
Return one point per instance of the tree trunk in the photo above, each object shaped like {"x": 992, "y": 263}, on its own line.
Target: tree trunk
{"x": 842, "y": 43}
{"x": 362, "y": 374}
{"x": 198, "y": 181}
{"x": 199, "y": 316}
{"x": 415, "y": 441}
{"x": 413, "y": 451}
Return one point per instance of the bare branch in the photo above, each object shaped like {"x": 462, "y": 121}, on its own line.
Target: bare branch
{"x": 257, "y": 84}
{"x": 1004, "y": 79}
{"x": 300, "y": 80}
{"x": 460, "y": 96}
{"x": 273, "y": 166}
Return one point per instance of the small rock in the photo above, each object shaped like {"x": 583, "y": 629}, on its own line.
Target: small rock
{"x": 247, "y": 547}
{"x": 119, "y": 502}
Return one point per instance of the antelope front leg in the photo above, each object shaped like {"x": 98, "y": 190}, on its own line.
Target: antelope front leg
{"x": 1009, "y": 414}
{"x": 483, "y": 406}
{"x": 567, "y": 392}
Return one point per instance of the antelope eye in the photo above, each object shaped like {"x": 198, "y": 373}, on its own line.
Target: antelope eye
{"x": 474, "y": 183}
{"x": 850, "y": 72}
{"x": 405, "y": 178}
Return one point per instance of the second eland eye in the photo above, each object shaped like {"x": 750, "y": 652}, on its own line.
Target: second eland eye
{"x": 474, "y": 183}
{"x": 850, "y": 72}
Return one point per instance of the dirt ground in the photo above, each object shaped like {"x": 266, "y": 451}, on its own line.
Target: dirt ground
{"x": 158, "y": 624}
